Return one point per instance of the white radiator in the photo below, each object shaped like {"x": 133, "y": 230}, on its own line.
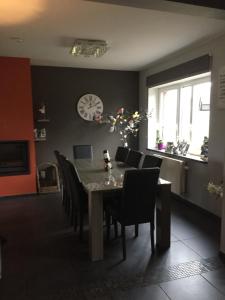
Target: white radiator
{"x": 173, "y": 170}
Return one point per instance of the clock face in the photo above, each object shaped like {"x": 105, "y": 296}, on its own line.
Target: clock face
{"x": 89, "y": 106}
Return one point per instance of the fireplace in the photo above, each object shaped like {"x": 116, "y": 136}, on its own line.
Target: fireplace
{"x": 14, "y": 158}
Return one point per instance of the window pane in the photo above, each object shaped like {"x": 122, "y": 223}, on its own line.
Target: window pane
{"x": 168, "y": 115}
{"x": 200, "y": 117}
{"x": 185, "y": 114}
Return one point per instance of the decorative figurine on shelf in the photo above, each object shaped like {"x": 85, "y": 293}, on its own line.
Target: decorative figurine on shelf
{"x": 182, "y": 147}
{"x": 204, "y": 148}
{"x": 42, "y": 112}
{"x": 169, "y": 147}
{"x": 107, "y": 160}
{"x": 43, "y": 133}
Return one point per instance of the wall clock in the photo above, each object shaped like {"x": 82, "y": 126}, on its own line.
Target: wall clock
{"x": 89, "y": 106}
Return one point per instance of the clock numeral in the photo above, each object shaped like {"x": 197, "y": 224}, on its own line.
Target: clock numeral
{"x": 98, "y": 112}
{"x": 85, "y": 115}
{"x": 82, "y": 111}
{"x": 99, "y": 107}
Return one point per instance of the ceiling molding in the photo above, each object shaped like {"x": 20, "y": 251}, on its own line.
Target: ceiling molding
{"x": 210, "y": 8}
{"x": 206, "y": 3}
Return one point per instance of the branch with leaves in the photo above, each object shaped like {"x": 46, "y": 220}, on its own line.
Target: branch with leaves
{"x": 124, "y": 122}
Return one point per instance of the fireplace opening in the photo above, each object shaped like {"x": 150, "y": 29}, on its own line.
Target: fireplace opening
{"x": 14, "y": 158}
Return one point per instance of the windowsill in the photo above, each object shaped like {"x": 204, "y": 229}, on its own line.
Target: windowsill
{"x": 188, "y": 156}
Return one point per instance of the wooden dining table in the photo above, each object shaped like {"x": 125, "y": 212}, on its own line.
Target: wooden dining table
{"x": 97, "y": 182}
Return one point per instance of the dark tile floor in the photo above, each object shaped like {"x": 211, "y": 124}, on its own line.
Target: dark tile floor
{"x": 44, "y": 260}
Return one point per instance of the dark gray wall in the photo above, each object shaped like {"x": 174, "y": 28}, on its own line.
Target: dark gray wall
{"x": 60, "y": 88}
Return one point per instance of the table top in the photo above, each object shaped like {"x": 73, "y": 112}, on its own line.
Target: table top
{"x": 95, "y": 178}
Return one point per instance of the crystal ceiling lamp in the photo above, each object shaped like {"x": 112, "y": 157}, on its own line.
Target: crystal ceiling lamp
{"x": 88, "y": 48}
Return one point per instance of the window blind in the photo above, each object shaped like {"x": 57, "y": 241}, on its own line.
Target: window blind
{"x": 190, "y": 68}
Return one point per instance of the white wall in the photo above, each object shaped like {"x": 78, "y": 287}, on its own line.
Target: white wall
{"x": 199, "y": 174}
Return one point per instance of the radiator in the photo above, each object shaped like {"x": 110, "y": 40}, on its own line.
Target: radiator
{"x": 173, "y": 170}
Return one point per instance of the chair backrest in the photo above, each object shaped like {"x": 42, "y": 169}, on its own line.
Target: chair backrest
{"x": 63, "y": 169}
{"x": 77, "y": 192}
{"x": 60, "y": 167}
{"x": 139, "y": 196}
{"x": 152, "y": 161}
{"x": 83, "y": 151}
{"x": 134, "y": 158}
{"x": 121, "y": 154}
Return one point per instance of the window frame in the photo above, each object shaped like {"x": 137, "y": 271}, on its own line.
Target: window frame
{"x": 191, "y": 81}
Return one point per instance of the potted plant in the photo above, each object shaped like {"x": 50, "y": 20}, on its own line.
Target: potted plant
{"x": 160, "y": 144}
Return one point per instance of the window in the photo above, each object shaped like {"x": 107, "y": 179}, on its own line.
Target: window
{"x": 180, "y": 111}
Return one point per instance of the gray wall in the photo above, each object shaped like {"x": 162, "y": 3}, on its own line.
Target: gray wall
{"x": 198, "y": 174}
{"x": 60, "y": 88}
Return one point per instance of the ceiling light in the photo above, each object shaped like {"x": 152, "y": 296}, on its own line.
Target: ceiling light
{"x": 88, "y": 48}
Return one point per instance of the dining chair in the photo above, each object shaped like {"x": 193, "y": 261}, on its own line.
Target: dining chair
{"x": 83, "y": 151}
{"x": 64, "y": 184}
{"x": 134, "y": 158}
{"x": 78, "y": 197}
{"x": 121, "y": 154}
{"x": 137, "y": 203}
{"x": 151, "y": 161}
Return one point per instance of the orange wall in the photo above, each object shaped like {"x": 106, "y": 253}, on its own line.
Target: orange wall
{"x": 16, "y": 119}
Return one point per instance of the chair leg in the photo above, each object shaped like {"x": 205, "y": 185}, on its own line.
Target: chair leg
{"x": 136, "y": 230}
{"x": 75, "y": 222}
{"x": 107, "y": 219}
{"x": 115, "y": 228}
{"x": 124, "y": 241}
{"x": 81, "y": 226}
{"x": 152, "y": 229}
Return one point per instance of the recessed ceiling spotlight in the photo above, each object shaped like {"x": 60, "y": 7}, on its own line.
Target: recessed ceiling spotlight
{"x": 17, "y": 39}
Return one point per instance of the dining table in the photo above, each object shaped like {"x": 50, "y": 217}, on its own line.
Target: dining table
{"x": 97, "y": 182}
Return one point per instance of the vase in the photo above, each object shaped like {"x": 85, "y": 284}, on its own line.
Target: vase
{"x": 160, "y": 146}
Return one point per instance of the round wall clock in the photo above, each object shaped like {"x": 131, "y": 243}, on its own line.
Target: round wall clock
{"x": 89, "y": 106}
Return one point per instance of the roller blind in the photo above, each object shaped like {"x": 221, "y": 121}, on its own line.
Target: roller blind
{"x": 190, "y": 68}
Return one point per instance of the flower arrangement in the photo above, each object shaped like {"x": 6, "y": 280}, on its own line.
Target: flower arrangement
{"x": 124, "y": 122}
{"x": 216, "y": 189}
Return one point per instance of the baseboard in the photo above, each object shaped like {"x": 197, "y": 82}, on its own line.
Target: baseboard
{"x": 196, "y": 207}
{"x": 17, "y": 196}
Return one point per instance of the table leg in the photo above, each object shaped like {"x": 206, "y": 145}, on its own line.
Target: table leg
{"x": 95, "y": 213}
{"x": 163, "y": 217}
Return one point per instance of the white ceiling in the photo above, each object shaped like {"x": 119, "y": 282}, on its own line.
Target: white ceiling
{"x": 136, "y": 36}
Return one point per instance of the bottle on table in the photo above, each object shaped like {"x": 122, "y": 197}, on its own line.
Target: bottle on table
{"x": 107, "y": 160}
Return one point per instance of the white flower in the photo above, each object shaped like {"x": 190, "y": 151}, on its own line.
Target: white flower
{"x": 111, "y": 129}
{"x": 215, "y": 189}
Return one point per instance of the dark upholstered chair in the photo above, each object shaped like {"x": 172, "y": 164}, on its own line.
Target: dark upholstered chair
{"x": 77, "y": 195}
{"x": 137, "y": 202}
{"x": 83, "y": 151}
{"x": 121, "y": 154}
{"x": 152, "y": 161}
{"x": 134, "y": 158}
{"x": 64, "y": 182}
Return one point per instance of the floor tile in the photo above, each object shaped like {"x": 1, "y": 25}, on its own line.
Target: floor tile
{"x": 44, "y": 260}
{"x": 217, "y": 279}
{"x": 194, "y": 288}
{"x": 204, "y": 246}
{"x": 144, "y": 293}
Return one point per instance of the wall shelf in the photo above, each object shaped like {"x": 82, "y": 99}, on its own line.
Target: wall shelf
{"x": 40, "y": 140}
{"x": 43, "y": 120}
